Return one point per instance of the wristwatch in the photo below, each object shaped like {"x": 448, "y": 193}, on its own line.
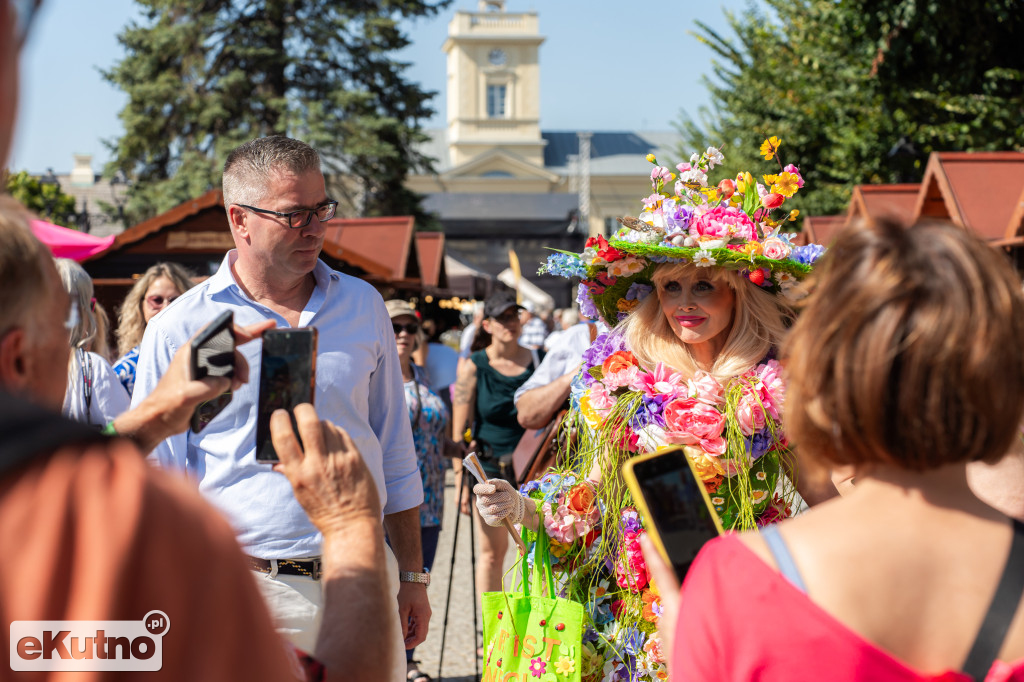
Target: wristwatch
{"x": 410, "y": 577}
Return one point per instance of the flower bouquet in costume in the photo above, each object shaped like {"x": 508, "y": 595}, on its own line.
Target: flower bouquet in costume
{"x": 730, "y": 429}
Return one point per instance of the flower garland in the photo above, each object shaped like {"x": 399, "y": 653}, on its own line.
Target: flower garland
{"x": 732, "y": 434}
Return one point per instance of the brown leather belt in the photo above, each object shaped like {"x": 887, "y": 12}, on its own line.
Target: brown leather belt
{"x": 309, "y": 567}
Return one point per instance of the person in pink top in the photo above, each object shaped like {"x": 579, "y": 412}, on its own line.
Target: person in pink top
{"x": 906, "y": 364}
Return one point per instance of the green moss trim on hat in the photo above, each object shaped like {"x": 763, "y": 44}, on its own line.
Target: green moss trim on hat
{"x": 734, "y": 225}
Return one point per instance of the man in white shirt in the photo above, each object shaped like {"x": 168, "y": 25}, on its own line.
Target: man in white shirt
{"x": 276, "y": 203}
{"x": 538, "y": 400}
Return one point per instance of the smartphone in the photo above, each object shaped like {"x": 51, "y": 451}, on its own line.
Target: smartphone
{"x": 287, "y": 379}
{"x": 213, "y": 355}
{"x": 677, "y": 510}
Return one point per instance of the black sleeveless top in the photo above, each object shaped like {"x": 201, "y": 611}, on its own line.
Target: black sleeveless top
{"x": 495, "y": 417}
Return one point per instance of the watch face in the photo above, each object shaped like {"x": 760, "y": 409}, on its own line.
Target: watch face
{"x": 496, "y": 57}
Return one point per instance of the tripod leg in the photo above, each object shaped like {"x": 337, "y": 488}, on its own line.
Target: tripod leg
{"x": 472, "y": 558}
{"x": 451, "y": 579}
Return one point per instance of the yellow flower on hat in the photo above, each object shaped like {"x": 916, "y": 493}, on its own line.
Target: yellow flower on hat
{"x": 786, "y": 184}
{"x": 769, "y": 147}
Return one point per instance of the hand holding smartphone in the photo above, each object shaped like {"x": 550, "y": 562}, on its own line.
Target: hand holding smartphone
{"x": 678, "y": 514}
{"x": 287, "y": 379}
{"x": 213, "y": 355}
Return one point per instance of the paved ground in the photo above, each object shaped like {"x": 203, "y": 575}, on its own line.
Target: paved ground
{"x": 459, "y": 647}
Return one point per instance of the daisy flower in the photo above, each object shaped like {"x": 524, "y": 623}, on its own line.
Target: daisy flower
{"x": 703, "y": 259}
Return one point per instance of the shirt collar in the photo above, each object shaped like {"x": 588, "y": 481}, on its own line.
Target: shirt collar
{"x": 224, "y": 278}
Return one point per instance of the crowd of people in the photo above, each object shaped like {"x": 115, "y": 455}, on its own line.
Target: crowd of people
{"x": 855, "y": 415}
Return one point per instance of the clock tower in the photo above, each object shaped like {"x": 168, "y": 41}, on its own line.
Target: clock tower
{"x": 494, "y": 84}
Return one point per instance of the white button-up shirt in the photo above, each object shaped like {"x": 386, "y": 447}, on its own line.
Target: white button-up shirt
{"x": 358, "y": 387}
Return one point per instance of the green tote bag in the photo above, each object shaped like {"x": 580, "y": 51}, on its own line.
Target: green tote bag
{"x": 529, "y": 636}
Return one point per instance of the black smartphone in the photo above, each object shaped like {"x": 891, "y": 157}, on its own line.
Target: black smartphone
{"x": 213, "y": 355}
{"x": 676, "y": 507}
{"x": 287, "y": 379}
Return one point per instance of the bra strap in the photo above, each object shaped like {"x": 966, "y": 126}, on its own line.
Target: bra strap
{"x": 1000, "y": 612}
{"x": 783, "y": 559}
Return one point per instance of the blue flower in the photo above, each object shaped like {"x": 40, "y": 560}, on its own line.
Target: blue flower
{"x": 633, "y": 640}
{"x": 758, "y": 444}
{"x": 807, "y": 254}
{"x": 529, "y": 487}
{"x": 563, "y": 265}
{"x": 657, "y": 258}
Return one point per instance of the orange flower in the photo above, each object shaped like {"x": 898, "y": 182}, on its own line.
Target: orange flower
{"x": 580, "y": 500}
{"x": 618, "y": 361}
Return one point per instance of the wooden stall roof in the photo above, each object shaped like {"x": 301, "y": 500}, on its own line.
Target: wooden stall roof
{"x": 430, "y": 254}
{"x": 379, "y": 247}
{"x": 384, "y": 242}
{"x": 979, "y": 191}
{"x": 873, "y": 201}
{"x": 820, "y": 229}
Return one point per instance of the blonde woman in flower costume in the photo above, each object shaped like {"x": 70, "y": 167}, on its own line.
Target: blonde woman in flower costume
{"x": 698, "y": 293}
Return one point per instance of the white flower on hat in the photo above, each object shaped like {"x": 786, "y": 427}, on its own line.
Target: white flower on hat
{"x": 704, "y": 259}
{"x": 715, "y": 157}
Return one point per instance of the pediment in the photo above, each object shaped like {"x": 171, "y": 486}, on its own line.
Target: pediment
{"x": 497, "y": 164}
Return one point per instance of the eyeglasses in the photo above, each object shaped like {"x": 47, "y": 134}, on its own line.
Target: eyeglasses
{"x": 301, "y": 218}
{"x": 24, "y": 12}
{"x": 157, "y": 301}
{"x": 410, "y": 328}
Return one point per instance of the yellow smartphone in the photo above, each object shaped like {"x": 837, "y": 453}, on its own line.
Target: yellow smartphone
{"x": 677, "y": 511}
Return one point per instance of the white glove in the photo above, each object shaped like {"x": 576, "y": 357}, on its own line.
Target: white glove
{"x": 497, "y": 500}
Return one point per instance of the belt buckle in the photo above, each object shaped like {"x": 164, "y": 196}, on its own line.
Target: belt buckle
{"x": 315, "y": 572}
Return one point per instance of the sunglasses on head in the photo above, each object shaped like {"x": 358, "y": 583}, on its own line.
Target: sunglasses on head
{"x": 157, "y": 300}
{"x": 410, "y": 328}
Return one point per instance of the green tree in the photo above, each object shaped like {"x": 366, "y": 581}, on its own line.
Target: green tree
{"x": 203, "y": 76}
{"x": 861, "y": 91}
{"x": 44, "y": 199}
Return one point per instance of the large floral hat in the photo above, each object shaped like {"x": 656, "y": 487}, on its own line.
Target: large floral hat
{"x": 735, "y": 225}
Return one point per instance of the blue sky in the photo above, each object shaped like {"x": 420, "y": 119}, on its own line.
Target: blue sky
{"x": 606, "y": 65}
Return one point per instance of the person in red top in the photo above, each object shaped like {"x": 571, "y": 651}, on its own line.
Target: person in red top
{"x": 906, "y": 365}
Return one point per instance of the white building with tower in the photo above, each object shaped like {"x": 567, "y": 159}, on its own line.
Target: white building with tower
{"x": 504, "y": 183}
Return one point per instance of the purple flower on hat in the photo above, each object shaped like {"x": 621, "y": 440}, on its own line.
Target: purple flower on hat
{"x": 807, "y": 254}
{"x": 638, "y": 291}
{"x": 587, "y": 307}
{"x": 677, "y": 216}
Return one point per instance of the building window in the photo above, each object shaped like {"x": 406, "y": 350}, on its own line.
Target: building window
{"x": 495, "y": 101}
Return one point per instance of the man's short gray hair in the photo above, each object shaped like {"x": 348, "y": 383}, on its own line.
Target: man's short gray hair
{"x": 23, "y": 279}
{"x": 249, "y": 167}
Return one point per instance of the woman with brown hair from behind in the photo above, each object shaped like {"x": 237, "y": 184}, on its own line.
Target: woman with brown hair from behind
{"x": 154, "y": 291}
{"x": 905, "y": 365}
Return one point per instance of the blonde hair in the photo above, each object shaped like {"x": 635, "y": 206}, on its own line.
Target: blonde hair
{"x": 909, "y": 350}
{"x": 78, "y": 284}
{"x": 759, "y": 322}
{"x": 132, "y": 323}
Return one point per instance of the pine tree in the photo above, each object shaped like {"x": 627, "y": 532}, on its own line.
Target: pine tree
{"x": 203, "y": 76}
{"x": 861, "y": 91}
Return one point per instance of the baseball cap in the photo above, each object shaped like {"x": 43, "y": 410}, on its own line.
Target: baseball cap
{"x": 397, "y": 307}
{"x": 499, "y": 302}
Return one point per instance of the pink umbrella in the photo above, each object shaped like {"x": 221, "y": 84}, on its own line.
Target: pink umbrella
{"x": 65, "y": 243}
